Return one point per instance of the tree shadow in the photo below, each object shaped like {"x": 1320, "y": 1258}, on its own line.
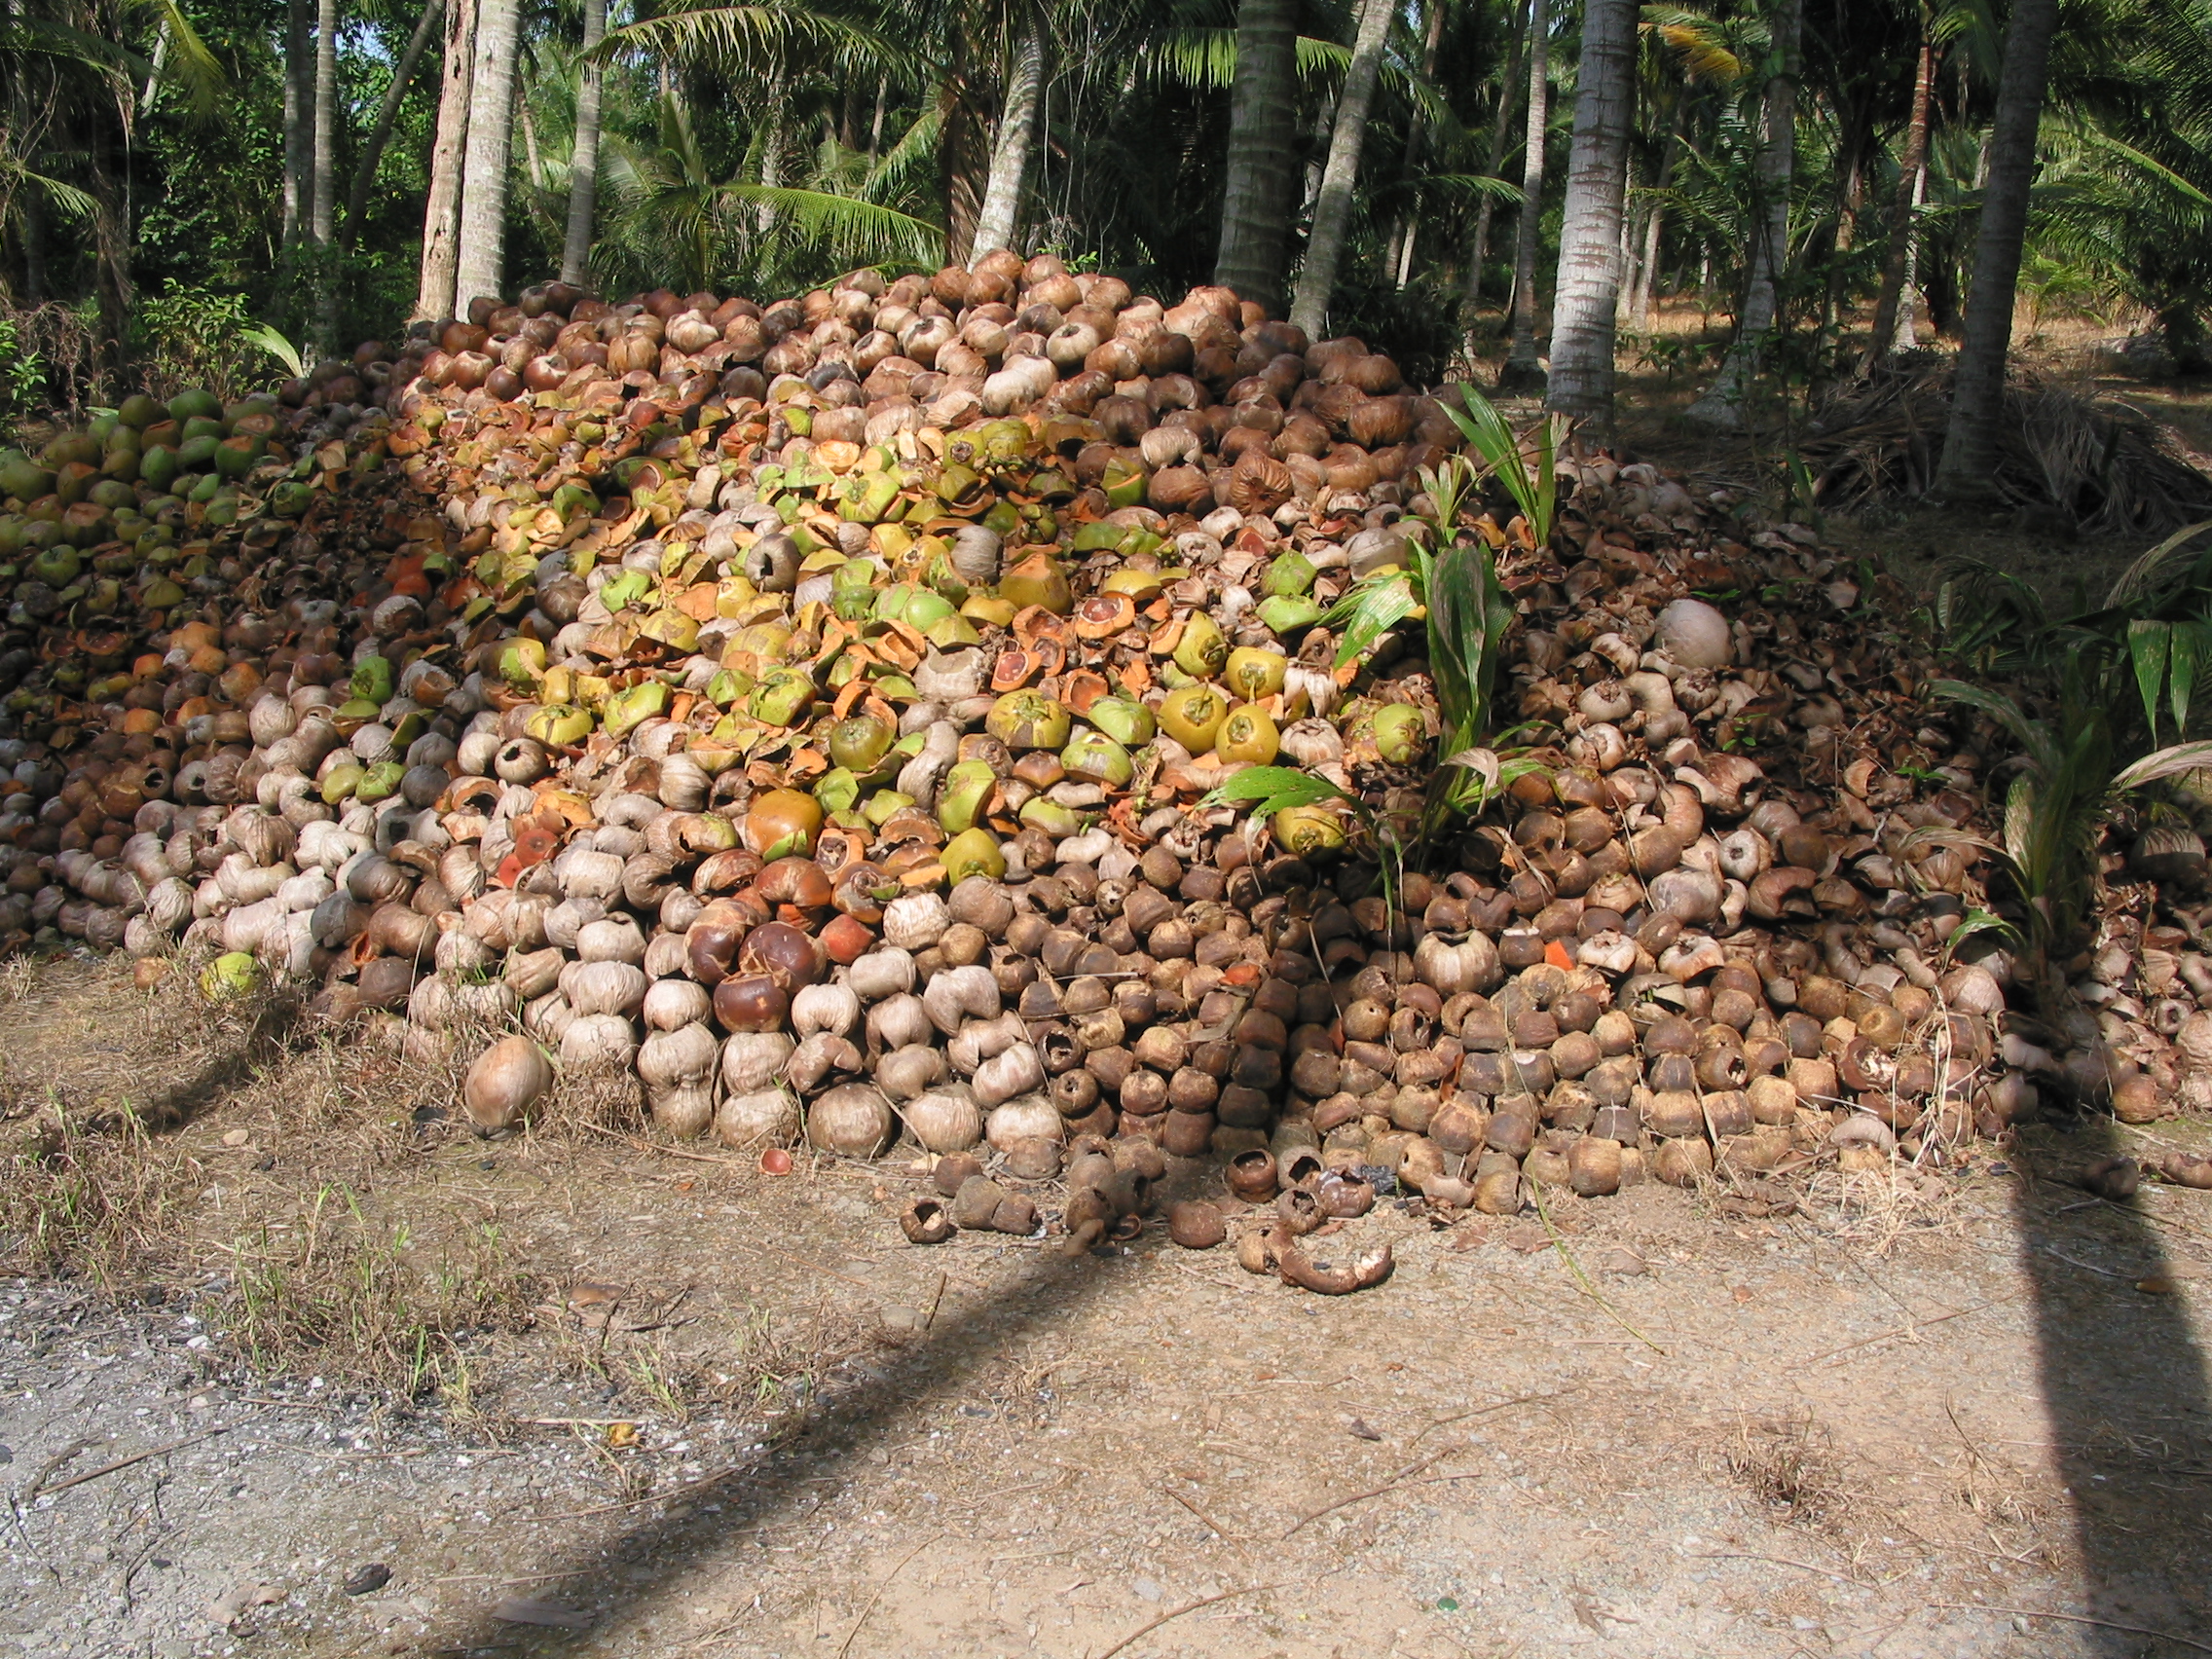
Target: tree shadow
{"x": 634, "y": 1569}
{"x": 2126, "y": 1395}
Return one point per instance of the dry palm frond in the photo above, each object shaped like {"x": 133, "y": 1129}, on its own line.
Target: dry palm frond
{"x": 2104, "y": 464}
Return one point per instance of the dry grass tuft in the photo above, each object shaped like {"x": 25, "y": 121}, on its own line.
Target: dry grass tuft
{"x": 83, "y": 1033}
{"x": 759, "y": 1365}
{"x": 349, "y": 1292}
{"x": 1791, "y": 1467}
{"x": 1874, "y": 1209}
{"x": 99, "y": 1200}
{"x": 591, "y": 1098}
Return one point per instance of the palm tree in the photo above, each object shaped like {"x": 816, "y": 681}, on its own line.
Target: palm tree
{"x": 1968, "y": 470}
{"x": 449, "y": 153}
{"x": 1332, "y": 212}
{"x": 1723, "y": 405}
{"x": 479, "y": 265}
{"x": 1589, "y": 278}
{"x": 672, "y": 219}
{"x": 1912, "y": 183}
{"x": 1262, "y": 166}
{"x": 1523, "y": 370}
{"x": 299, "y": 119}
{"x": 583, "y": 167}
{"x": 387, "y": 112}
{"x": 322, "y": 225}
{"x": 996, "y": 223}
{"x": 1502, "y": 119}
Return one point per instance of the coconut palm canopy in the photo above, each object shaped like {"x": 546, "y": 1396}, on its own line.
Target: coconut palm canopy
{"x": 171, "y": 174}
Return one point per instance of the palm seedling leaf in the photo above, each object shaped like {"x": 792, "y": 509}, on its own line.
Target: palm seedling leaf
{"x": 1269, "y": 789}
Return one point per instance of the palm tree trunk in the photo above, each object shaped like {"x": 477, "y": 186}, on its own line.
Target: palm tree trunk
{"x": 1847, "y": 198}
{"x": 299, "y": 118}
{"x": 1500, "y": 120}
{"x": 1967, "y": 470}
{"x": 1723, "y": 405}
{"x": 583, "y": 166}
{"x": 1897, "y": 257}
{"x": 1904, "y": 339}
{"x": 771, "y": 149}
{"x": 1655, "y": 217}
{"x": 1332, "y": 212}
{"x": 478, "y": 271}
{"x": 1401, "y": 261}
{"x": 1262, "y": 171}
{"x": 154, "y": 70}
{"x": 1631, "y": 270}
{"x": 1590, "y": 249}
{"x": 1653, "y": 221}
{"x": 533, "y": 159}
{"x": 323, "y": 215}
{"x": 441, "y": 215}
{"x": 387, "y": 112}
{"x": 1521, "y": 367}
{"x": 1000, "y": 218}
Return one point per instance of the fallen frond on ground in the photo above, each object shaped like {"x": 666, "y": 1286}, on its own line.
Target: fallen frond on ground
{"x": 2105, "y": 465}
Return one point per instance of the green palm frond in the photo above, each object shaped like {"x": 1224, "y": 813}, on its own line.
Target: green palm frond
{"x": 65, "y": 198}
{"x": 700, "y": 32}
{"x": 189, "y": 64}
{"x": 871, "y": 232}
{"x": 1707, "y": 47}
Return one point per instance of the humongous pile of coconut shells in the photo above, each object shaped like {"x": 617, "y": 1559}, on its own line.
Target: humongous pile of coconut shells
{"x": 811, "y": 707}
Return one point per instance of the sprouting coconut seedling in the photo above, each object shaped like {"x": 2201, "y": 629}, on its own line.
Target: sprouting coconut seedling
{"x": 1530, "y": 478}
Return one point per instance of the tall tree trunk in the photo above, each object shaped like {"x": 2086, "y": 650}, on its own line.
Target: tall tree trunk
{"x": 299, "y": 120}
{"x": 1401, "y": 262}
{"x": 387, "y": 112}
{"x": 478, "y": 272}
{"x": 1316, "y": 155}
{"x": 1000, "y": 218}
{"x": 441, "y": 214}
{"x": 1646, "y": 272}
{"x": 1262, "y": 169}
{"x": 1653, "y": 220}
{"x": 532, "y": 160}
{"x": 1897, "y": 258}
{"x": 1631, "y": 270}
{"x": 1903, "y": 340}
{"x": 1847, "y": 203}
{"x": 154, "y": 70}
{"x": 1332, "y": 210}
{"x": 875, "y": 126}
{"x": 1723, "y": 405}
{"x": 322, "y": 216}
{"x": 583, "y": 165}
{"x": 1969, "y": 467}
{"x": 775, "y": 109}
{"x": 964, "y": 155}
{"x": 1521, "y": 368}
{"x": 1588, "y": 285}
{"x": 1502, "y": 119}
{"x": 112, "y": 286}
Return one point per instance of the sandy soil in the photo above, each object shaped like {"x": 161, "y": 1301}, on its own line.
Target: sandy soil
{"x": 1911, "y": 1418}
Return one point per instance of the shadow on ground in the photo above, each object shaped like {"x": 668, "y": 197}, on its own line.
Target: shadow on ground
{"x": 640, "y": 1565}
{"x": 2125, "y": 1393}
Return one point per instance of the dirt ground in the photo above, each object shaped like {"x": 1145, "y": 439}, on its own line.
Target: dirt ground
{"x": 665, "y": 1404}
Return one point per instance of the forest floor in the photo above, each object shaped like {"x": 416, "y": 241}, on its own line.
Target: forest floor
{"x": 335, "y": 1378}
{"x": 311, "y": 1371}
